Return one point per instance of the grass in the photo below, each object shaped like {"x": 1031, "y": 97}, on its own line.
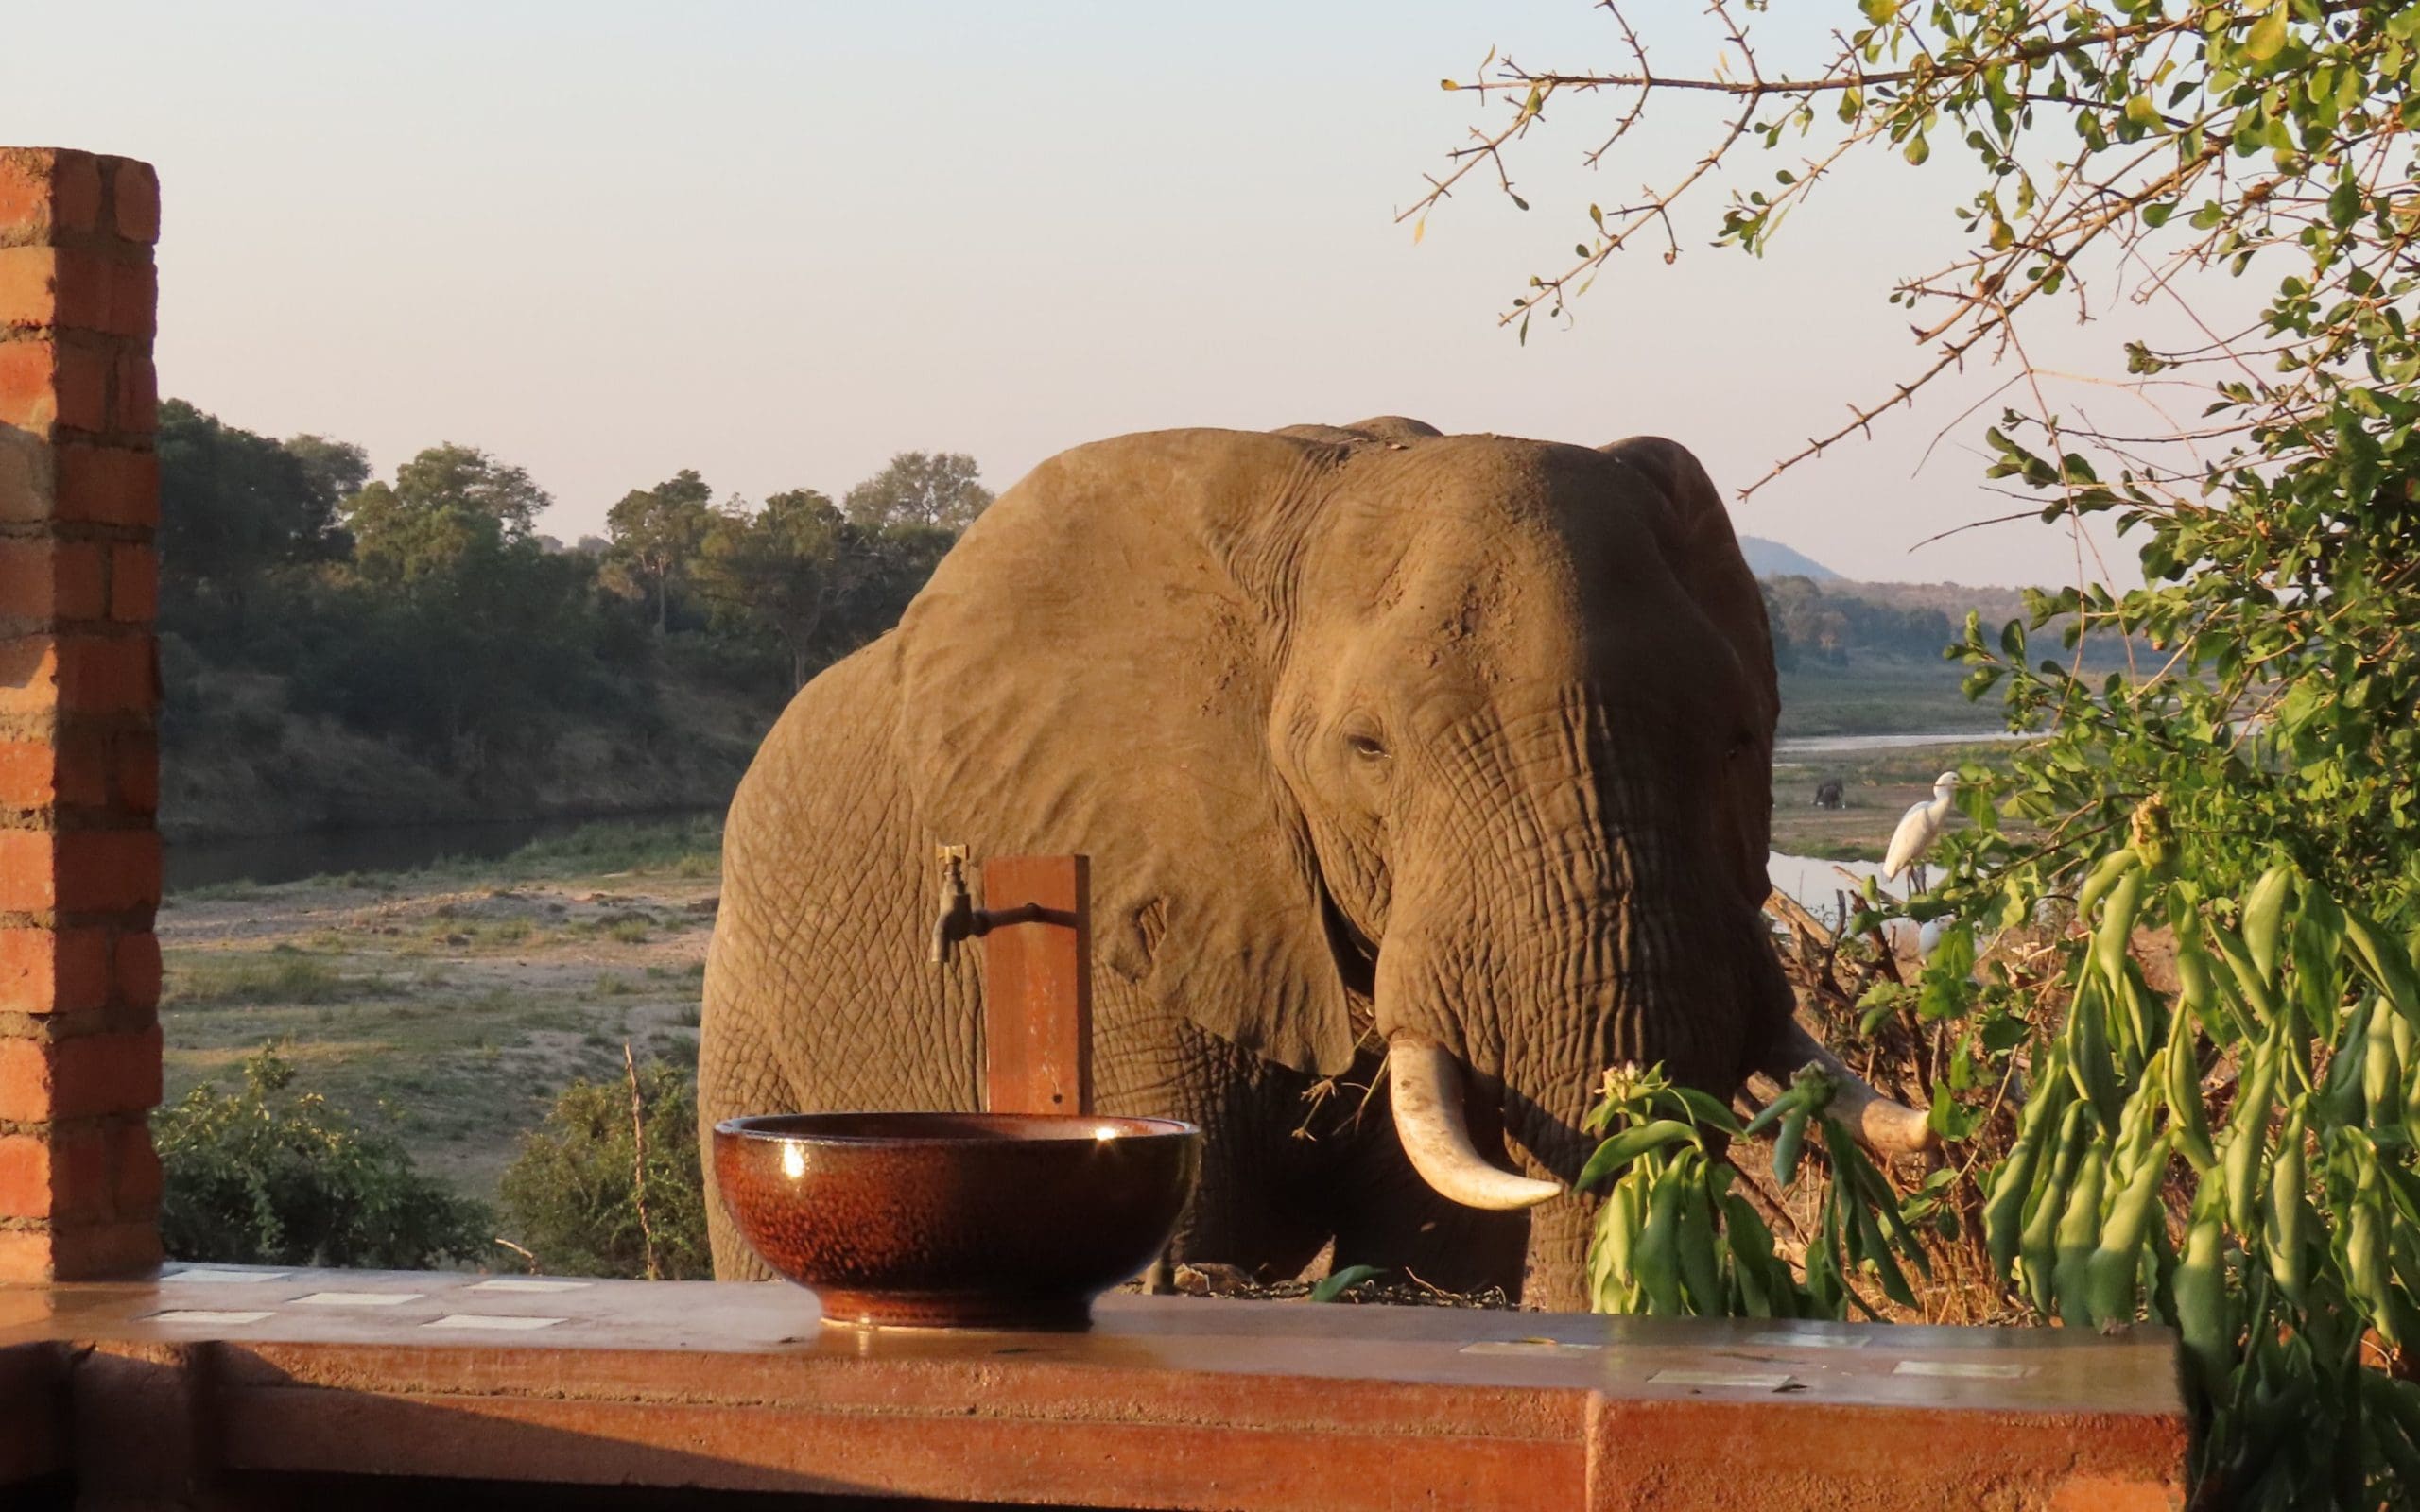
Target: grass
{"x": 1880, "y": 696}
{"x": 552, "y": 959}
{"x": 282, "y": 976}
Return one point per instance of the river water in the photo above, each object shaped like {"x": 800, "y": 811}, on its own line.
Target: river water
{"x": 266, "y": 860}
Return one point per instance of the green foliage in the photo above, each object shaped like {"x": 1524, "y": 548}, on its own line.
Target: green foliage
{"x": 1674, "y": 1238}
{"x": 2280, "y": 1233}
{"x": 658, "y": 532}
{"x": 931, "y": 490}
{"x": 1811, "y": 626}
{"x": 2265, "y": 758}
{"x": 274, "y": 1176}
{"x": 576, "y": 1199}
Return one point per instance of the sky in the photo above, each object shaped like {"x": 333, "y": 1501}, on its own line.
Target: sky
{"x": 779, "y": 242}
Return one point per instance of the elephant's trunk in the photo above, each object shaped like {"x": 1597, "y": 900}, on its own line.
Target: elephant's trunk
{"x": 1425, "y": 1086}
{"x": 1880, "y": 1125}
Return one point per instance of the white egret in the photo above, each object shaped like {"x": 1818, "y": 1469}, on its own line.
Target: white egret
{"x": 1918, "y": 829}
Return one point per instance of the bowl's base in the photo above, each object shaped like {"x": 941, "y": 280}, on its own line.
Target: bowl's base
{"x": 915, "y": 1310}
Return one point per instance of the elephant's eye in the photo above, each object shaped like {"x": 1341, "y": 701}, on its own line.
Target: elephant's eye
{"x": 1366, "y": 745}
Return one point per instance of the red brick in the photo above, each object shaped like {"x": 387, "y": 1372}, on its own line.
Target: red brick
{"x": 80, "y": 764}
{"x": 43, "y": 191}
{"x": 25, "y": 1081}
{"x": 53, "y": 288}
{"x": 28, "y": 874}
{"x": 110, "y": 485}
{"x": 28, "y": 774}
{"x": 100, "y": 1074}
{"x": 138, "y": 970}
{"x": 80, "y": 1178}
{"x": 136, "y": 768}
{"x": 41, "y": 579}
{"x": 108, "y": 675}
{"x": 29, "y": 675}
{"x": 138, "y": 396}
{"x": 136, "y": 195}
{"x": 134, "y": 584}
{"x": 25, "y": 473}
{"x": 60, "y": 971}
{"x": 135, "y": 1163}
{"x": 45, "y": 383}
{"x": 108, "y": 871}
{"x": 25, "y": 1177}
{"x": 135, "y": 300}
{"x": 76, "y": 1252}
{"x": 28, "y": 393}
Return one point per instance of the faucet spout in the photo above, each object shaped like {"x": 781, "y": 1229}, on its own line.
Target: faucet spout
{"x": 957, "y": 919}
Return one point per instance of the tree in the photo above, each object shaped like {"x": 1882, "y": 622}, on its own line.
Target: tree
{"x": 939, "y": 489}
{"x": 454, "y": 476}
{"x": 580, "y": 1198}
{"x": 337, "y": 470}
{"x": 657, "y": 533}
{"x": 235, "y": 506}
{"x": 782, "y": 569}
{"x": 2132, "y": 153}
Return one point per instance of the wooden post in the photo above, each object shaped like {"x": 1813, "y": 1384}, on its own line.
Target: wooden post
{"x": 1038, "y": 986}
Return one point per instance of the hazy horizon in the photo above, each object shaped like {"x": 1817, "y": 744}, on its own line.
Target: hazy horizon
{"x": 779, "y": 243}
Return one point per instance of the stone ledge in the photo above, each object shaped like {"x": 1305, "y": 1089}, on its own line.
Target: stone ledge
{"x": 1167, "y": 1403}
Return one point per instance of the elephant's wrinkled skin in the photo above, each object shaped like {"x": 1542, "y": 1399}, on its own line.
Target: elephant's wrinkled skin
{"x": 1371, "y": 733}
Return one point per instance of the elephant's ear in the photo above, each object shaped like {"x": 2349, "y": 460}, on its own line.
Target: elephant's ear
{"x": 1089, "y": 671}
{"x": 1695, "y": 530}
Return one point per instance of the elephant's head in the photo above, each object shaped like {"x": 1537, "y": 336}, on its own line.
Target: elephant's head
{"x": 1462, "y": 742}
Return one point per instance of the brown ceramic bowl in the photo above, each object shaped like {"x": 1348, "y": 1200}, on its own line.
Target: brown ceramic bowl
{"x": 956, "y": 1220}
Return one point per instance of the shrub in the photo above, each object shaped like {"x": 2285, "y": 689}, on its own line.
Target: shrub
{"x": 274, "y": 1176}
{"x": 574, "y": 1197}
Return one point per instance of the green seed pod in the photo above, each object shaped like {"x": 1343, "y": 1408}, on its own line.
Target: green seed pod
{"x": 2381, "y": 1068}
{"x": 2287, "y": 1207}
{"x": 2004, "y": 1215}
{"x": 1701, "y": 1261}
{"x": 2188, "y": 1119}
{"x": 1787, "y": 1144}
{"x": 2388, "y": 965}
{"x": 2109, "y": 1275}
{"x": 2257, "y": 999}
{"x": 2116, "y": 931}
{"x": 2368, "y": 1274}
{"x": 2264, "y": 916}
{"x": 2078, "y": 1237}
{"x": 2204, "y": 1314}
{"x": 2104, "y": 876}
{"x": 2248, "y": 1138}
{"x": 2090, "y": 1061}
{"x": 2038, "y": 1244}
{"x": 1657, "y": 1259}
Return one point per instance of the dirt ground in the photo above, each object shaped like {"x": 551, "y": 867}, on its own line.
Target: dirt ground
{"x": 449, "y": 1009}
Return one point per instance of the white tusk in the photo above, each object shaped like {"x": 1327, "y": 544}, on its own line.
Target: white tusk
{"x": 1427, "y": 1089}
{"x": 1880, "y": 1125}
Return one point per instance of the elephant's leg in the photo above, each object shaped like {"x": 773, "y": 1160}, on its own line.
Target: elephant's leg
{"x": 1555, "y": 1268}
{"x": 1255, "y": 1206}
{"x": 1390, "y": 1218}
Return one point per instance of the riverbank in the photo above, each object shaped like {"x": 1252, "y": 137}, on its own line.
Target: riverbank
{"x": 451, "y": 1004}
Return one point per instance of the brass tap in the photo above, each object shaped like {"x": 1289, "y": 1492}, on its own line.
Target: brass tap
{"x": 957, "y": 919}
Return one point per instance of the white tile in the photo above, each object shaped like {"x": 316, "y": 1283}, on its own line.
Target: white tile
{"x": 226, "y": 1278}
{"x": 508, "y": 1283}
{"x": 493, "y": 1322}
{"x": 1547, "y": 1348}
{"x": 203, "y": 1315}
{"x": 1735, "y": 1380}
{"x": 1810, "y": 1341}
{"x": 357, "y": 1298}
{"x": 1962, "y": 1369}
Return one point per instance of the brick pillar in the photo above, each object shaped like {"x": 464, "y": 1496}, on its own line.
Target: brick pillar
{"x": 80, "y": 852}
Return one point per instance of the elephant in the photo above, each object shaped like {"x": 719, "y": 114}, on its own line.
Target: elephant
{"x": 1827, "y": 794}
{"x": 1423, "y": 777}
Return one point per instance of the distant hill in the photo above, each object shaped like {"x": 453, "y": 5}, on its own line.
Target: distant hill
{"x": 1770, "y": 558}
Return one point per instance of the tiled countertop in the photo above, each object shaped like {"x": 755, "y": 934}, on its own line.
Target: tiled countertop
{"x": 1167, "y": 1401}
